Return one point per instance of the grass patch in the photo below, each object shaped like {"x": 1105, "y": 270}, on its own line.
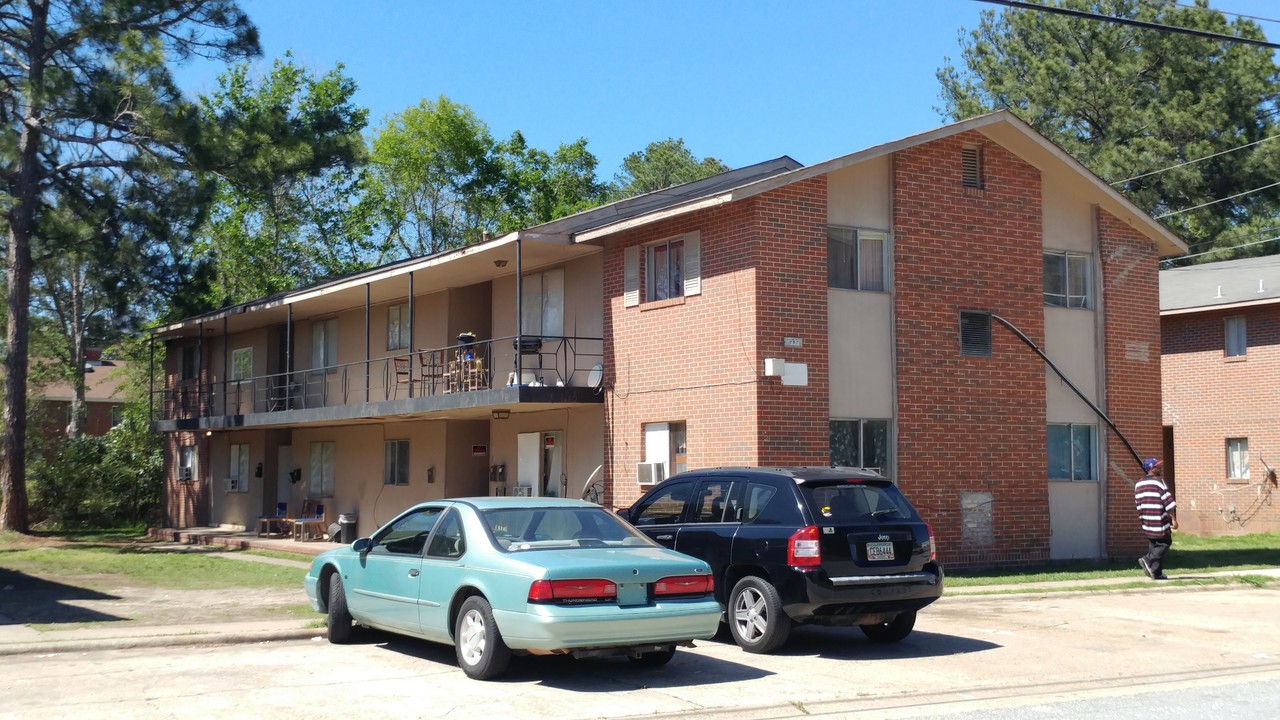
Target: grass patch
{"x": 105, "y": 566}
{"x": 1190, "y": 554}
{"x": 281, "y": 555}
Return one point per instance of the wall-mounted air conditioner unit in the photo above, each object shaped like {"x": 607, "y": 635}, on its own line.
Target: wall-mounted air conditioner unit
{"x": 651, "y": 473}
{"x": 233, "y": 484}
{"x": 184, "y": 473}
{"x": 521, "y": 491}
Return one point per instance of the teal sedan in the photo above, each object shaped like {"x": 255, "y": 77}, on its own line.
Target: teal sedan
{"x": 497, "y": 576}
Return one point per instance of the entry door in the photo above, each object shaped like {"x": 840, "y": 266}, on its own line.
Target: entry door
{"x": 1075, "y": 527}
{"x": 284, "y": 488}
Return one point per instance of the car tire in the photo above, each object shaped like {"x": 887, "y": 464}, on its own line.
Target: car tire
{"x": 339, "y": 623}
{"x": 482, "y": 654}
{"x": 893, "y": 631}
{"x": 756, "y": 618}
{"x": 657, "y": 658}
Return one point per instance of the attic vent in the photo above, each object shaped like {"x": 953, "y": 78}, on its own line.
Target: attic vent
{"x": 971, "y": 161}
{"x": 975, "y": 334}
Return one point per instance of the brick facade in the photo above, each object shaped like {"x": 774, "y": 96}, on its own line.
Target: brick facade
{"x": 971, "y": 430}
{"x": 1130, "y": 301}
{"x": 1209, "y": 398}
{"x": 700, "y": 359}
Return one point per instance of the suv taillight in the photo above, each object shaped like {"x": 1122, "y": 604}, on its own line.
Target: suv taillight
{"x": 802, "y": 548}
{"x": 933, "y": 546}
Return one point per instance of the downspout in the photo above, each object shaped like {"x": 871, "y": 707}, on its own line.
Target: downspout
{"x": 411, "y": 338}
{"x": 226, "y": 353}
{"x": 288, "y": 357}
{"x": 1065, "y": 379}
{"x": 366, "y": 342}
{"x": 151, "y": 379}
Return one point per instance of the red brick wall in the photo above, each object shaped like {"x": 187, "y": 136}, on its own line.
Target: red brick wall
{"x": 1207, "y": 399}
{"x": 700, "y": 359}
{"x": 969, "y": 426}
{"x": 1131, "y": 307}
{"x": 186, "y": 504}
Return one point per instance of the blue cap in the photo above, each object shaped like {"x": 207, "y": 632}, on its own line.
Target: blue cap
{"x": 1150, "y": 463}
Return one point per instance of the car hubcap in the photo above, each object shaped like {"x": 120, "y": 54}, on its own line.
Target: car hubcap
{"x": 472, "y": 638}
{"x": 749, "y": 615}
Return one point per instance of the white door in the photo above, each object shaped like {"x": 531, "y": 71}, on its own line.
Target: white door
{"x": 528, "y": 464}
{"x": 284, "y": 488}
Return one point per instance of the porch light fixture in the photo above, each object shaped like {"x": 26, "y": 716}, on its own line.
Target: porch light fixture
{"x": 501, "y": 414}
{"x": 500, "y": 263}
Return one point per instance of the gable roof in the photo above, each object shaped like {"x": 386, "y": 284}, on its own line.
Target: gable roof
{"x": 1002, "y": 127}
{"x": 1220, "y": 285}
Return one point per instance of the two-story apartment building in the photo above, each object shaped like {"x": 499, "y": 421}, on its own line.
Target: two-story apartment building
{"x": 850, "y": 312}
{"x": 1220, "y": 334}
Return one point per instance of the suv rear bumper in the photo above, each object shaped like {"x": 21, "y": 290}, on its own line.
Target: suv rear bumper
{"x": 813, "y": 597}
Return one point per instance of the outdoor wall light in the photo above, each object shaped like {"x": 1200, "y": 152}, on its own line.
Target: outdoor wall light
{"x": 501, "y": 414}
{"x": 500, "y": 263}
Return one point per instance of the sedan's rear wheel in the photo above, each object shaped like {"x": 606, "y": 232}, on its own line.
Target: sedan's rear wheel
{"x": 339, "y": 622}
{"x": 756, "y": 617}
{"x": 894, "y": 630}
{"x": 654, "y": 659}
{"x": 481, "y": 652}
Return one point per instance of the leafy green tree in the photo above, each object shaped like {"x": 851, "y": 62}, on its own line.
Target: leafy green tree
{"x": 88, "y": 94}
{"x": 1129, "y": 102}
{"x": 286, "y": 150}
{"x": 538, "y": 187}
{"x": 660, "y": 165}
{"x": 434, "y": 182}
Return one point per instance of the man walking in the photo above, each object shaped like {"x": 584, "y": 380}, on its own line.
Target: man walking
{"x": 1156, "y": 513}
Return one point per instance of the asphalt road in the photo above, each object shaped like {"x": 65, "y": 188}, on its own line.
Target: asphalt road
{"x": 1057, "y": 655}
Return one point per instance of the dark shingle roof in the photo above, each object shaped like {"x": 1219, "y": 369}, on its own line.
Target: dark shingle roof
{"x": 1231, "y": 282}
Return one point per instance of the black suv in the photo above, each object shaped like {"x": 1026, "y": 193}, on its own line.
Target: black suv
{"x": 821, "y": 545}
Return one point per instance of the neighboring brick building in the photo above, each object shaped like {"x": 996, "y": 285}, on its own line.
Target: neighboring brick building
{"x": 1220, "y": 330}
{"x": 850, "y": 312}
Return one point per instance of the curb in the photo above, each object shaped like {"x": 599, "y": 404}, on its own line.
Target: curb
{"x": 177, "y": 639}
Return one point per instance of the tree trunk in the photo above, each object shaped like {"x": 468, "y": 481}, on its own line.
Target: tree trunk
{"x": 76, "y": 325}
{"x": 24, "y": 189}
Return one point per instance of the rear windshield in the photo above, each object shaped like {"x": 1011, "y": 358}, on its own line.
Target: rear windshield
{"x": 517, "y": 529}
{"x": 852, "y": 501}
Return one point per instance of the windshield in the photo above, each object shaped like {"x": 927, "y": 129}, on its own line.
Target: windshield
{"x": 517, "y": 529}
{"x": 850, "y": 502}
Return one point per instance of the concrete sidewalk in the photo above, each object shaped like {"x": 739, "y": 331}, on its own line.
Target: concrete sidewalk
{"x": 18, "y": 639}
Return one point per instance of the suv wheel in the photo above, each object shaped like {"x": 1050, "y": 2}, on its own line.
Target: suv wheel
{"x": 892, "y": 631}
{"x": 756, "y": 618}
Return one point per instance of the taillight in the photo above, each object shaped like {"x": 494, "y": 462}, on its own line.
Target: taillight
{"x": 684, "y": 585}
{"x": 572, "y": 591}
{"x": 933, "y": 546}
{"x": 802, "y": 548}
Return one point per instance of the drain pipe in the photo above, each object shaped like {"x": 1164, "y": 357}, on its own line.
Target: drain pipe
{"x": 1136, "y": 458}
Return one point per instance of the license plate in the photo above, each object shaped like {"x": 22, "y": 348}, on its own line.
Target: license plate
{"x": 879, "y": 551}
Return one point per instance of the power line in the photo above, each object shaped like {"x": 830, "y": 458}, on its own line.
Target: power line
{"x": 1225, "y": 12}
{"x": 1192, "y": 162}
{"x": 1215, "y": 202}
{"x": 1227, "y": 247}
{"x": 1127, "y": 21}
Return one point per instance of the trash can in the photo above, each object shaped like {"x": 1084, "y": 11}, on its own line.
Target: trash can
{"x": 347, "y": 522}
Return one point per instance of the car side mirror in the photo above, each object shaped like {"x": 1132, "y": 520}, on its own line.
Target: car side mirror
{"x": 625, "y": 512}
{"x": 362, "y": 545}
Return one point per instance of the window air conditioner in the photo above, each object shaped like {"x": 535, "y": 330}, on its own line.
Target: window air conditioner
{"x": 184, "y": 473}
{"x": 521, "y": 491}
{"x": 233, "y": 484}
{"x": 651, "y": 473}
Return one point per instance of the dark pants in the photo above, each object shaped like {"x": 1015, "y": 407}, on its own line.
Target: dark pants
{"x": 1156, "y": 548}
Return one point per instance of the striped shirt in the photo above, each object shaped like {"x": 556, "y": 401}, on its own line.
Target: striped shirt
{"x": 1154, "y": 505}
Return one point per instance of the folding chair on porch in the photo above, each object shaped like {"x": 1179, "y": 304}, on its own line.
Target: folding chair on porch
{"x": 310, "y": 526}
{"x": 277, "y": 523}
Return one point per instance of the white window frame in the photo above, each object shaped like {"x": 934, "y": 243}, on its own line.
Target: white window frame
{"x": 542, "y": 304}
{"x": 1235, "y": 337}
{"x": 187, "y": 462}
{"x": 324, "y": 344}
{"x": 398, "y": 327}
{"x": 667, "y": 282}
{"x": 242, "y": 364}
{"x": 667, "y": 443}
{"x": 1238, "y": 458}
{"x": 1083, "y": 266}
{"x": 395, "y": 469}
{"x": 320, "y": 483}
{"x": 1079, "y": 468}
{"x": 238, "y": 468}
{"x": 860, "y": 428}
{"x": 869, "y": 271}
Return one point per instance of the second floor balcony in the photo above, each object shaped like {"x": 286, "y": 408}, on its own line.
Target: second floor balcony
{"x": 467, "y": 380}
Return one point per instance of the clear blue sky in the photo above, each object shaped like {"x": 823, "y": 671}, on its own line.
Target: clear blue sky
{"x": 742, "y": 81}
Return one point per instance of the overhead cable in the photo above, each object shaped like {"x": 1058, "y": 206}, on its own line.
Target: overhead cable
{"x": 1215, "y": 202}
{"x": 1136, "y": 23}
{"x": 1192, "y": 162}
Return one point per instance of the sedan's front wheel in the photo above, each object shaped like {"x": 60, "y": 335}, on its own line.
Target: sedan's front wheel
{"x": 481, "y": 652}
{"x": 339, "y": 622}
{"x": 756, "y": 617}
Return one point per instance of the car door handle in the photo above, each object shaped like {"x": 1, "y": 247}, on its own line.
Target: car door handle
{"x": 413, "y": 572}
{"x": 664, "y": 537}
